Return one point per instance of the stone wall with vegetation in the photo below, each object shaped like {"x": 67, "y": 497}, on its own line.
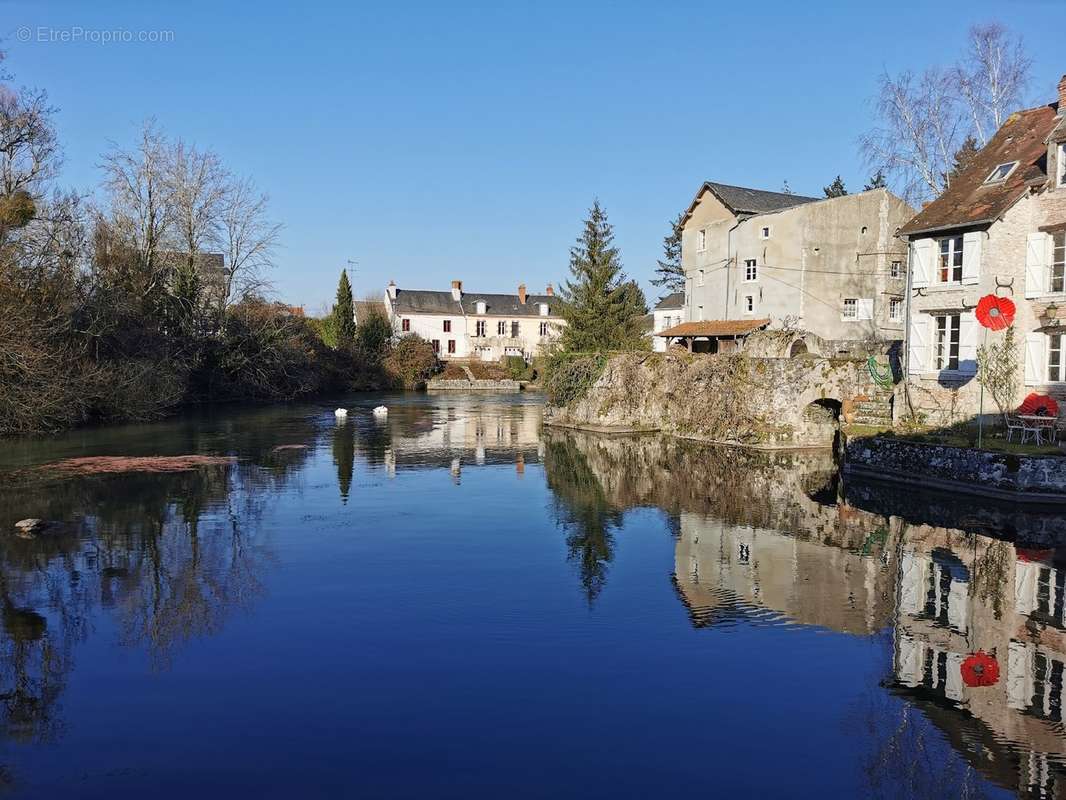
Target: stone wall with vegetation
{"x": 962, "y": 467}
{"x": 768, "y": 402}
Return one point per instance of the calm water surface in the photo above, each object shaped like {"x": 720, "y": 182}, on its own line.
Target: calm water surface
{"x": 455, "y": 603}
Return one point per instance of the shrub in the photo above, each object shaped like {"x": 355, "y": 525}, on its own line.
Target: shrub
{"x": 517, "y": 368}
{"x": 410, "y": 362}
{"x": 569, "y": 376}
{"x": 372, "y": 335}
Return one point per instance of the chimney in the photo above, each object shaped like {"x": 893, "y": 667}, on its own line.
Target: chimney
{"x": 1062, "y": 97}
{"x": 391, "y": 290}
{"x": 549, "y": 291}
{"x": 457, "y": 291}
{"x": 522, "y": 293}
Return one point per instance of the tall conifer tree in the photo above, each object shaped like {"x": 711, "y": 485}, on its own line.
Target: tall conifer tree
{"x": 669, "y": 273}
{"x": 344, "y": 311}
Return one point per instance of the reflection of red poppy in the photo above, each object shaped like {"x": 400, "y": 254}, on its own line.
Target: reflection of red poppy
{"x": 1034, "y": 555}
{"x": 980, "y": 669}
{"x": 995, "y": 313}
{"x": 1039, "y": 405}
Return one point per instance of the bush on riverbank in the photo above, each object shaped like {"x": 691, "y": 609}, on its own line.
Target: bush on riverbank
{"x": 568, "y": 377}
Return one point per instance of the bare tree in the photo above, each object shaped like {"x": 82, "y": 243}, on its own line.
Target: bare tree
{"x": 919, "y": 131}
{"x": 249, "y": 239}
{"x": 992, "y": 76}
{"x": 197, "y": 183}
{"x": 923, "y": 121}
{"x": 140, "y": 201}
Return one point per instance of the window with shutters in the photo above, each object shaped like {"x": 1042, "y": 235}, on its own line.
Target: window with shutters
{"x": 447, "y": 326}
{"x": 1056, "y": 369}
{"x": 479, "y": 328}
{"x": 405, "y": 325}
{"x": 751, "y": 270}
{"x": 895, "y": 309}
{"x": 850, "y": 309}
{"x": 451, "y": 345}
{"x": 1057, "y": 274}
{"x": 950, "y": 265}
{"x": 946, "y": 343}
{"x": 436, "y": 346}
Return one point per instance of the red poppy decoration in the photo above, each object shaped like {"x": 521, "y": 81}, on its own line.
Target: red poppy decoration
{"x": 1039, "y": 405}
{"x": 1034, "y": 555}
{"x": 980, "y": 669}
{"x": 995, "y": 313}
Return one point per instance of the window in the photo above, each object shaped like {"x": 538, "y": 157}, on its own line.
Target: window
{"x": 514, "y": 329}
{"x": 895, "y": 309}
{"x": 946, "y": 345}
{"x": 451, "y": 345}
{"x": 749, "y": 303}
{"x": 751, "y": 270}
{"x": 544, "y": 329}
{"x": 1056, "y": 368}
{"x": 479, "y": 328}
{"x": 701, "y": 281}
{"x": 436, "y": 346}
{"x": 544, "y": 309}
{"x": 1057, "y": 278}
{"x": 951, "y": 260}
{"x": 701, "y": 240}
{"x": 700, "y": 313}
{"x": 895, "y": 269}
{"x": 1062, "y": 164}
{"x": 481, "y": 306}
{"x": 447, "y": 326}
{"x": 764, "y": 233}
{"x": 851, "y": 308}
{"x": 501, "y": 328}
{"x": 1001, "y": 172}
{"x": 405, "y": 325}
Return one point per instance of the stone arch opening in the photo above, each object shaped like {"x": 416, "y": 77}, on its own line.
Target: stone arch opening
{"x": 821, "y": 422}
{"x": 798, "y": 349}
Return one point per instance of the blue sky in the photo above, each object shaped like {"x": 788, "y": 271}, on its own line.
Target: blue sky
{"x": 438, "y": 141}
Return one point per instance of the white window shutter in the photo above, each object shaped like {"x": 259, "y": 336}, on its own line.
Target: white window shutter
{"x": 968, "y": 333}
{"x": 971, "y": 257}
{"x": 1035, "y": 360}
{"x": 1035, "y": 263}
{"x": 918, "y": 344}
{"x": 922, "y": 263}
{"x": 866, "y": 308}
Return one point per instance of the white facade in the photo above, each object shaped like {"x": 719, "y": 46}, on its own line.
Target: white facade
{"x": 669, "y": 311}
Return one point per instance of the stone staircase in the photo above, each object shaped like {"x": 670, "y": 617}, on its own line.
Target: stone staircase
{"x": 873, "y": 410}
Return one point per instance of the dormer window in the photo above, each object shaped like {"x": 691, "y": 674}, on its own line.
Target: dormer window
{"x": 1001, "y": 172}
{"x": 481, "y": 306}
{"x": 544, "y": 309}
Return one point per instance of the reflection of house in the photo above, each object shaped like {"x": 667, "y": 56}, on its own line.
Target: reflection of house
{"x": 958, "y": 595}
{"x": 476, "y": 325}
{"x": 830, "y": 266}
{"x": 999, "y": 228}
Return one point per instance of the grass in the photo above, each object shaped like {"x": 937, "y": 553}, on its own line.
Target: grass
{"x": 962, "y": 435}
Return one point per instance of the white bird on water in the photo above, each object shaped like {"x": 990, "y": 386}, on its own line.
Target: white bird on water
{"x": 381, "y": 411}
{"x": 341, "y": 412}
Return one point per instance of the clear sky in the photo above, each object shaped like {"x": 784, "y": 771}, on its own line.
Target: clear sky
{"x": 432, "y": 141}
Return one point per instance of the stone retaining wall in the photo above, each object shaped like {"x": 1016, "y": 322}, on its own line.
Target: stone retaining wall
{"x": 1040, "y": 478}
{"x": 476, "y": 385}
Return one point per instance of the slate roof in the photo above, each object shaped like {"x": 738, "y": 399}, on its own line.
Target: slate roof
{"x": 671, "y": 301}
{"x": 716, "y": 327}
{"x": 743, "y": 201}
{"x": 971, "y": 201}
{"x": 425, "y": 301}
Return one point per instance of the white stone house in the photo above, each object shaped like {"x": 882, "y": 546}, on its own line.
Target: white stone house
{"x": 1000, "y": 229}
{"x": 668, "y": 312}
{"x": 830, "y": 266}
{"x": 486, "y": 327}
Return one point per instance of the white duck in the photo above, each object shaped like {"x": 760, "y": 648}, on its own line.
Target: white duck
{"x": 381, "y": 411}
{"x": 341, "y": 412}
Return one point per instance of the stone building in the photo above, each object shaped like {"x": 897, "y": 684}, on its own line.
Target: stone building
{"x": 830, "y": 266}
{"x": 999, "y": 228}
{"x": 486, "y": 327}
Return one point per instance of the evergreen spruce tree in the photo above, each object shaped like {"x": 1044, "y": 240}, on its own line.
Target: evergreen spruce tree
{"x": 963, "y": 156}
{"x": 836, "y": 188}
{"x": 669, "y": 273}
{"x": 344, "y": 312}
{"x": 602, "y": 309}
{"x": 877, "y": 181}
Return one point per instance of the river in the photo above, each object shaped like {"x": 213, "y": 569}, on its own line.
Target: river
{"x": 453, "y": 602}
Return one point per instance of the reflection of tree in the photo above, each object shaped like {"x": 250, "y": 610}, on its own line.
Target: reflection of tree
{"x": 582, "y": 508}
{"x": 344, "y": 456}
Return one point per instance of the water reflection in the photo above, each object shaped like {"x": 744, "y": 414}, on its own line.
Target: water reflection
{"x": 976, "y": 622}
{"x": 962, "y": 602}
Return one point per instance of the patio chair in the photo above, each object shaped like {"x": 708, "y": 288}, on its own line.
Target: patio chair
{"x": 1016, "y": 425}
